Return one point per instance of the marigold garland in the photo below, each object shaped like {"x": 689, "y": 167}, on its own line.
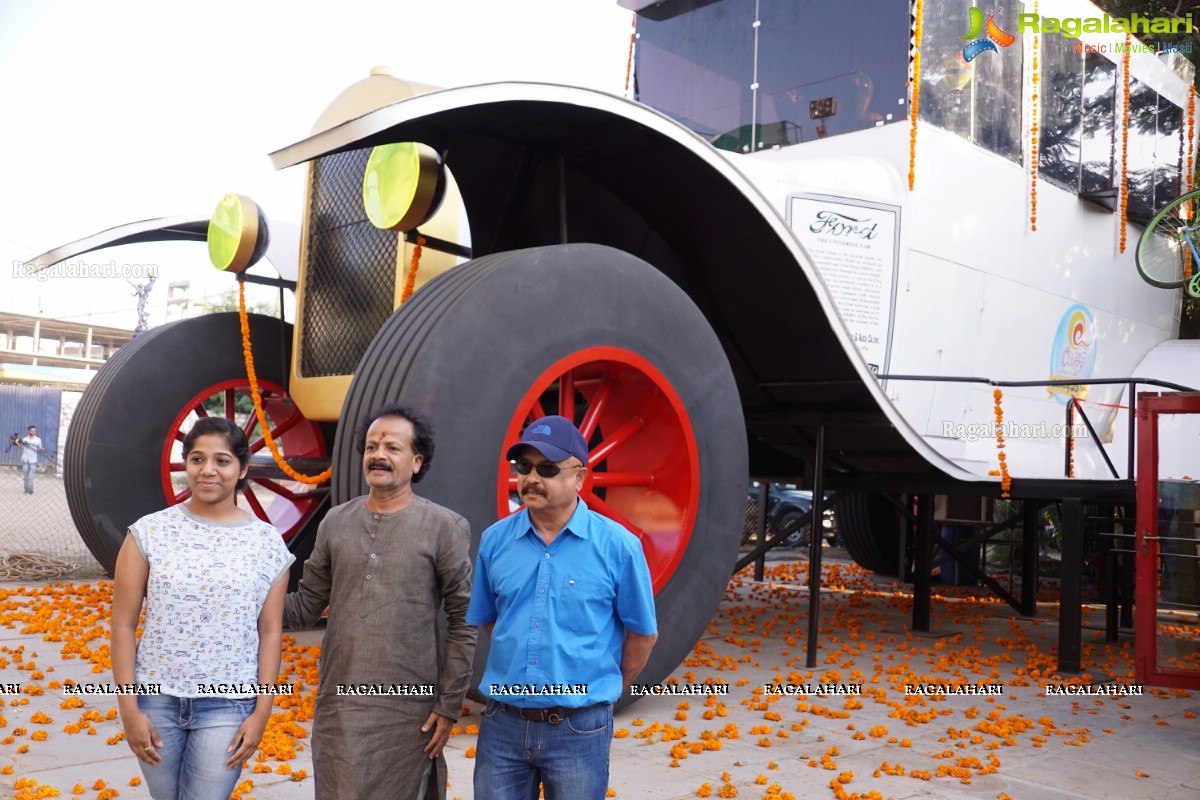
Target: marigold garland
{"x": 410, "y": 280}
{"x": 257, "y": 397}
{"x": 1187, "y": 176}
{"x": 1033, "y": 136}
{"x": 1071, "y": 436}
{"x": 1005, "y": 478}
{"x": 1125, "y": 146}
{"x": 629, "y": 59}
{"x": 918, "y": 12}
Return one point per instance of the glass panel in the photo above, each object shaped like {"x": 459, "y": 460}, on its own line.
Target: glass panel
{"x": 979, "y": 100}
{"x": 1060, "y": 115}
{"x": 1096, "y": 145}
{"x": 822, "y": 72}
{"x": 1143, "y": 138}
{"x": 697, "y": 66}
{"x": 1168, "y": 155}
{"x": 1178, "y": 595}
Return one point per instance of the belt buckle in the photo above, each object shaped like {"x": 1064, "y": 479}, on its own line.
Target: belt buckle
{"x": 554, "y": 718}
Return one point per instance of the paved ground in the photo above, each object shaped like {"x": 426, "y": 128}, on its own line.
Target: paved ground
{"x": 1022, "y": 744}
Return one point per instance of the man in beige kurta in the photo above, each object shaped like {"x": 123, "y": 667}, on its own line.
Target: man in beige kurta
{"x": 392, "y": 675}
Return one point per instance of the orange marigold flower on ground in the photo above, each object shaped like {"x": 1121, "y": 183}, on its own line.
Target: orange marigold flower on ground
{"x": 38, "y": 736}
{"x": 728, "y": 790}
{"x": 284, "y": 769}
{"x": 705, "y": 790}
{"x": 609, "y": 792}
{"x": 1141, "y": 774}
{"x": 261, "y": 768}
{"x": 40, "y": 718}
{"x": 472, "y": 729}
{"x": 99, "y": 784}
{"x": 23, "y": 749}
{"x": 299, "y": 774}
{"x": 470, "y": 752}
{"x": 78, "y": 789}
{"x": 69, "y": 703}
{"x": 6, "y": 769}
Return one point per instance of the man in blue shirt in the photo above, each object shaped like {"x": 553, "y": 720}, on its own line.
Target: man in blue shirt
{"x": 565, "y": 595}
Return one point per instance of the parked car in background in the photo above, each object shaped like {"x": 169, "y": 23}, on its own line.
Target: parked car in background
{"x": 787, "y": 507}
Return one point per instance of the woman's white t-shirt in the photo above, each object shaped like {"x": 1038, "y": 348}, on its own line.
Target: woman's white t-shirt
{"x": 207, "y": 584}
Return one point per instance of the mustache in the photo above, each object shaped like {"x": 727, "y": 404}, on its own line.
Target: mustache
{"x": 379, "y": 465}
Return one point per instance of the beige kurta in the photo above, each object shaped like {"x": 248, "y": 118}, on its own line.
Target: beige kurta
{"x": 385, "y": 577}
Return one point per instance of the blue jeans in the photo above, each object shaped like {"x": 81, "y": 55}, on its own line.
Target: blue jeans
{"x": 27, "y": 470}
{"x": 569, "y": 758}
{"x": 195, "y": 732}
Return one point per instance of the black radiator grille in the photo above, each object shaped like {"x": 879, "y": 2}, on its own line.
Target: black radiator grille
{"x": 350, "y": 274}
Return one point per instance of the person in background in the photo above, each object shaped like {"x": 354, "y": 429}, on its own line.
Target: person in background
{"x": 31, "y": 448}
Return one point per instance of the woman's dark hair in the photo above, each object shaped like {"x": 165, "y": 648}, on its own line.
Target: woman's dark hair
{"x": 235, "y": 438}
{"x": 422, "y": 443}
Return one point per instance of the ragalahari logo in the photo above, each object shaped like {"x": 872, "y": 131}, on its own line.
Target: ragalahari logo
{"x": 993, "y": 35}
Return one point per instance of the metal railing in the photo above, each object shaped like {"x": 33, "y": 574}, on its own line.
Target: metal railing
{"x": 1130, "y": 383}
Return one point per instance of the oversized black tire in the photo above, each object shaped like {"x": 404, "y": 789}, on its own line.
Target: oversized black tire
{"x": 869, "y": 528}
{"x": 480, "y": 344}
{"x": 118, "y": 462}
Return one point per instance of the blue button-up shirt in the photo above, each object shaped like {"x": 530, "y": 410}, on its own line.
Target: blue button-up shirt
{"x": 560, "y": 611}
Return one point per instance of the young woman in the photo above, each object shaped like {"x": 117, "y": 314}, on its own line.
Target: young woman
{"x": 213, "y": 578}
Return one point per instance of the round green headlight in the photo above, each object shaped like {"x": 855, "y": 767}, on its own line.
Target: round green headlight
{"x": 402, "y": 185}
{"x": 237, "y": 233}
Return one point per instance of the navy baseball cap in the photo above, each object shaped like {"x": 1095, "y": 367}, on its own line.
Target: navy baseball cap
{"x": 555, "y": 437}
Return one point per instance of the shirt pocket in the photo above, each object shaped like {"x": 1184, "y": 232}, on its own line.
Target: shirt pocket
{"x": 585, "y": 605}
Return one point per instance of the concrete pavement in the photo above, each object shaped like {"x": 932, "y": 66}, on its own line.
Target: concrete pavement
{"x": 1021, "y": 743}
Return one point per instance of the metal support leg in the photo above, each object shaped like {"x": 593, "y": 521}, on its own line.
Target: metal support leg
{"x": 1070, "y": 597}
{"x": 760, "y": 522}
{"x": 1030, "y": 539}
{"x": 922, "y": 581}
{"x": 816, "y": 542}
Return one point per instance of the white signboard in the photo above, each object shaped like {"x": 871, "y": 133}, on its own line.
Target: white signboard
{"x": 855, "y": 246}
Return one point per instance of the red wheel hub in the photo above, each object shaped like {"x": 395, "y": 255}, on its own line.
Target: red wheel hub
{"x": 644, "y": 466}
{"x": 286, "y": 504}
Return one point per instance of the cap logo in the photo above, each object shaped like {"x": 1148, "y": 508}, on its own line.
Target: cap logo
{"x": 542, "y": 429}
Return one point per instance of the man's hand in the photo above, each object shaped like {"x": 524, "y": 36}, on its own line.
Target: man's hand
{"x": 441, "y": 733}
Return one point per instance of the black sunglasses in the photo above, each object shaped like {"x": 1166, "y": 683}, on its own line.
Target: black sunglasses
{"x": 546, "y": 469}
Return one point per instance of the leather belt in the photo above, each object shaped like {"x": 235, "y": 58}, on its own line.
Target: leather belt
{"x": 553, "y": 715}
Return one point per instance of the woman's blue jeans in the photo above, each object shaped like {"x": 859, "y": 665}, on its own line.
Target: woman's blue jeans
{"x": 195, "y": 733}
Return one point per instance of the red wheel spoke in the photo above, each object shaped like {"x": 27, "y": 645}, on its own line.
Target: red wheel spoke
{"x": 607, "y": 479}
{"x": 183, "y": 495}
{"x": 285, "y": 426}
{"x": 177, "y": 466}
{"x": 255, "y": 506}
{"x": 200, "y": 410}
{"x": 616, "y": 439}
{"x": 596, "y": 504}
{"x": 180, "y": 436}
{"x": 537, "y": 412}
{"x": 251, "y": 421}
{"x": 512, "y": 483}
{"x": 230, "y": 403}
{"x": 282, "y": 490}
{"x": 566, "y": 395}
{"x": 257, "y": 444}
{"x": 596, "y": 408}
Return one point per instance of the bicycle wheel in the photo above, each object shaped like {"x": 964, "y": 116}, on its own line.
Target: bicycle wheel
{"x": 1170, "y": 243}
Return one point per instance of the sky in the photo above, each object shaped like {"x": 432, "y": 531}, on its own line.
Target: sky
{"x": 121, "y": 111}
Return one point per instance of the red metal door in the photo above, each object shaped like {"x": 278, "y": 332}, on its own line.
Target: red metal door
{"x": 1167, "y": 597}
